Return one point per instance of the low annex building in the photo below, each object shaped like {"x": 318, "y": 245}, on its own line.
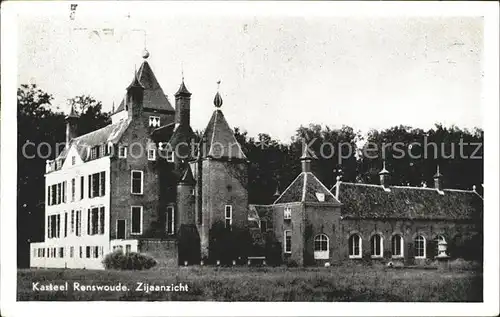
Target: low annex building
{"x": 365, "y": 221}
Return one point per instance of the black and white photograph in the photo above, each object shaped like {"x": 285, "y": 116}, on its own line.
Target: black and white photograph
{"x": 318, "y": 157}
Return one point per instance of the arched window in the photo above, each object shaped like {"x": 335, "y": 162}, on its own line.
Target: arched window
{"x": 321, "y": 246}
{"x": 419, "y": 247}
{"x": 397, "y": 245}
{"x": 355, "y": 246}
{"x": 377, "y": 242}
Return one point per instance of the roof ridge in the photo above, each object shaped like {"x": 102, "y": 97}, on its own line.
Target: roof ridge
{"x": 304, "y": 187}
{"x": 327, "y": 190}
{"x": 288, "y": 187}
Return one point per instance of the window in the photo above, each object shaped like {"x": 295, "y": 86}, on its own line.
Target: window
{"x": 97, "y": 183}
{"x": 71, "y": 252}
{"x": 53, "y": 226}
{"x": 93, "y": 152}
{"x": 96, "y": 251}
{"x": 64, "y": 191}
{"x": 170, "y": 156}
{"x": 128, "y": 248}
{"x": 87, "y": 252}
{"x": 397, "y": 245}
{"x": 82, "y": 186}
{"x": 102, "y": 183}
{"x": 151, "y": 154}
{"x": 419, "y": 247}
{"x": 321, "y": 247}
{"x": 54, "y": 194}
{"x": 120, "y": 228}
{"x": 154, "y": 121}
{"x": 136, "y": 220}
{"x": 102, "y": 150}
{"x": 73, "y": 160}
{"x": 320, "y": 196}
{"x": 288, "y": 241}
{"x": 61, "y": 252}
{"x": 48, "y": 196}
{"x": 73, "y": 189}
{"x": 72, "y": 221}
{"x": 93, "y": 221}
{"x": 287, "y": 215}
{"x": 355, "y": 246}
{"x": 78, "y": 223}
{"x": 65, "y": 224}
{"x": 170, "y": 221}
{"x": 228, "y": 216}
{"x": 81, "y": 252}
{"x": 377, "y": 247}
{"x": 122, "y": 151}
{"x": 137, "y": 182}
{"x": 59, "y": 192}
{"x": 263, "y": 226}
{"x": 101, "y": 220}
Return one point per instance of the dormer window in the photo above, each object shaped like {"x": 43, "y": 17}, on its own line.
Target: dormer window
{"x": 102, "y": 150}
{"x": 287, "y": 214}
{"x": 93, "y": 153}
{"x": 73, "y": 160}
{"x": 151, "y": 155}
{"x": 320, "y": 196}
{"x": 154, "y": 121}
{"x": 170, "y": 156}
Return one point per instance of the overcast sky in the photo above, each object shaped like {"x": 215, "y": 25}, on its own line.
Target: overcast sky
{"x": 277, "y": 72}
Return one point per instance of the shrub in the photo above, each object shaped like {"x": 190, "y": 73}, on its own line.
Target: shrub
{"x": 292, "y": 263}
{"x": 117, "y": 260}
{"x": 272, "y": 249}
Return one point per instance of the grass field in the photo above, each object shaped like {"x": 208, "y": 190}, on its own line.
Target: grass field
{"x": 339, "y": 283}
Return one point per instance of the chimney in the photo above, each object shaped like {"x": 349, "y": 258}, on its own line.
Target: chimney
{"x": 71, "y": 125}
{"x": 277, "y": 192}
{"x": 182, "y": 105}
{"x": 306, "y": 159}
{"x": 384, "y": 177}
{"x": 437, "y": 180}
{"x": 337, "y": 187}
{"x": 135, "y": 97}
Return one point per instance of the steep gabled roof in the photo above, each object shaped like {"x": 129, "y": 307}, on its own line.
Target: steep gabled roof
{"x": 219, "y": 141}
{"x": 109, "y": 134}
{"x": 304, "y": 189}
{"x": 372, "y": 201}
{"x": 154, "y": 97}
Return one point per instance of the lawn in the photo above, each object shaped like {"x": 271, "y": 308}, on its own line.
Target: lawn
{"x": 336, "y": 283}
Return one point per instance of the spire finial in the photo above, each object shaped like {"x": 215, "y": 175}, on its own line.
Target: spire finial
{"x": 218, "y": 98}
{"x": 438, "y": 174}
{"x": 384, "y": 170}
{"x": 182, "y": 71}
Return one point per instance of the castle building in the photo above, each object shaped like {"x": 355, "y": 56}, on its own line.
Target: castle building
{"x": 147, "y": 183}
{"x": 142, "y": 181}
{"x": 354, "y": 221}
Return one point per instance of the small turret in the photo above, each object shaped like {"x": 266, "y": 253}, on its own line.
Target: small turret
{"x": 306, "y": 159}
{"x": 71, "y": 125}
{"x": 186, "y": 198}
{"x": 135, "y": 97}
{"x": 384, "y": 176}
